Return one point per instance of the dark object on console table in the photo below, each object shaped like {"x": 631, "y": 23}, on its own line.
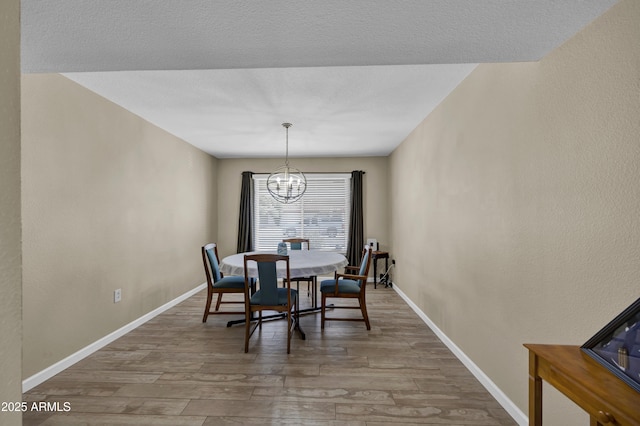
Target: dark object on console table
{"x": 617, "y": 346}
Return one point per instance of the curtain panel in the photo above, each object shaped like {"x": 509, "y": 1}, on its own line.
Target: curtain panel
{"x": 356, "y": 219}
{"x": 245, "y": 221}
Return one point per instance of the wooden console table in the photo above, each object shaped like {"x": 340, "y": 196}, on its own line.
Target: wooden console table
{"x": 607, "y": 399}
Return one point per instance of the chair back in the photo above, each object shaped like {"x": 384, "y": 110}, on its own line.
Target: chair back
{"x": 366, "y": 261}
{"x": 348, "y": 286}
{"x": 267, "y": 275}
{"x": 269, "y": 297}
{"x": 211, "y": 263}
{"x": 297, "y": 243}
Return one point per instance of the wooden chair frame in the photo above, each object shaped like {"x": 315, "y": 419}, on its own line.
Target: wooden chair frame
{"x": 291, "y": 310}
{"x": 211, "y": 290}
{"x": 297, "y": 240}
{"x": 361, "y": 296}
{"x": 312, "y": 281}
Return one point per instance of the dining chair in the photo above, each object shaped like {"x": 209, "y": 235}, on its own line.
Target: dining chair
{"x": 269, "y": 297}
{"x": 348, "y": 286}
{"x": 219, "y": 284}
{"x": 312, "y": 281}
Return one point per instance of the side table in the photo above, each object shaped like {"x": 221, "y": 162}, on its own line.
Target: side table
{"x": 379, "y": 255}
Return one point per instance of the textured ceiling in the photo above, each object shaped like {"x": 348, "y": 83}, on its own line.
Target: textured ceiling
{"x": 354, "y": 77}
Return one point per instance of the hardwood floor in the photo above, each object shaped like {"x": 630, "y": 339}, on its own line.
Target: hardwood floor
{"x": 175, "y": 370}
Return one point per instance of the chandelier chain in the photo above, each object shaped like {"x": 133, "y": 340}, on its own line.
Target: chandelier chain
{"x": 286, "y": 154}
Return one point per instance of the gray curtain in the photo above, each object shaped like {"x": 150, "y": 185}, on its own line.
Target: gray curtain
{"x": 245, "y": 222}
{"x": 356, "y": 219}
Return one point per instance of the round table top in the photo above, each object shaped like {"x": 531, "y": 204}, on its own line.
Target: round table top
{"x": 302, "y": 263}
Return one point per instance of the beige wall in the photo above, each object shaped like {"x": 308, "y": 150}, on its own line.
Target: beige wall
{"x": 524, "y": 192}
{"x": 375, "y": 192}
{"x": 108, "y": 201}
{"x": 10, "y": 246}
{"x": 513, "y": 207}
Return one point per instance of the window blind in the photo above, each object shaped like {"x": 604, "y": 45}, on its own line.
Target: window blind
{"x": 321, "y": 215}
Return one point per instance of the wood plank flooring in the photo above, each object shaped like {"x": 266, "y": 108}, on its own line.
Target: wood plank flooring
{"x": 175, "y": 370}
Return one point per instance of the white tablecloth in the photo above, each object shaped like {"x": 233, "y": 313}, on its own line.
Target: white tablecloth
{"x": 302, "y": 263}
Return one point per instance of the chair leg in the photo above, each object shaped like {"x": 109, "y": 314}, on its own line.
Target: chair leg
{"x": 363, "y": 308}
{"x": 289, "y": 332}
{"x": 322, "y": 309}
{"x": 207, "y": 307}
{"x": 247, "y": 327}
{"x": 218, "y": 301}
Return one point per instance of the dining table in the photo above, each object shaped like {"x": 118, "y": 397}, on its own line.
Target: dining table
{"x": 302, "y": 263}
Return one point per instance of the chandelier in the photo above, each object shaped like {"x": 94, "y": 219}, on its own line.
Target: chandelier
{"x": 286, "y": 184}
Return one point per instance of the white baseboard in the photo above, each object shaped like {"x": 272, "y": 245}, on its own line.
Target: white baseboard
{"x": 513, "y": 410}
{"x": 67, "y": 362}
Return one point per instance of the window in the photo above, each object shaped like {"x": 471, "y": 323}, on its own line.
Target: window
{"x": 321, "y": 215}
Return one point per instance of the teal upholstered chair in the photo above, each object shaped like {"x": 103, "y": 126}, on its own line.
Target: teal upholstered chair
{"x": 297, "y": 243}
{"x": 219, "y": 284}
{"x": 312, "y": 281}
{"x": 269, "y": 297}
{"x": 348, "y": 286}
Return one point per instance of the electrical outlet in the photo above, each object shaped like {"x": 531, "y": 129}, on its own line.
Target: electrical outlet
{"x": 393, "y": 261}
{"x": 117, "y": 295}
